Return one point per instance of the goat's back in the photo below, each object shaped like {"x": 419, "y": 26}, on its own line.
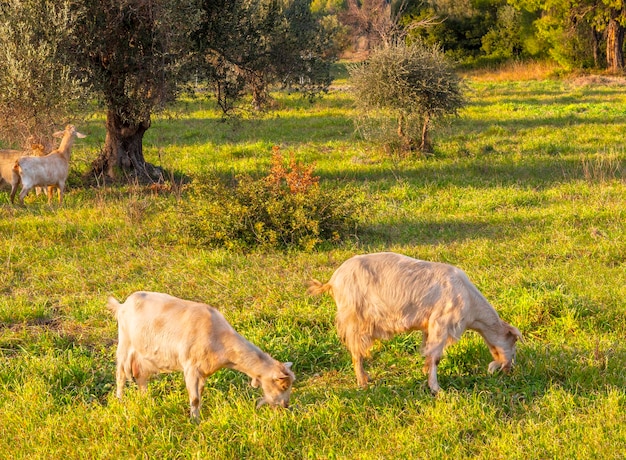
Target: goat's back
{"x": 51, "y": 169}
{"x": 160, "y": 314}
{"x": 386, "y": 293}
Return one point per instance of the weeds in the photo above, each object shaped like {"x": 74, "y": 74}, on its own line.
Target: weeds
{"x": 603, "y": 167}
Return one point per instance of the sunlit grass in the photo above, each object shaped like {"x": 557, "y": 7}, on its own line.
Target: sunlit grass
{"x": 525, "y": 191}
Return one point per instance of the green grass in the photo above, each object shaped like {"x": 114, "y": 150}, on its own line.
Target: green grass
{"x": 525, "y": 192}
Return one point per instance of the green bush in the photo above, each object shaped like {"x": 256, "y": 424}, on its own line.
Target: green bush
{"x": 286, "y": 208}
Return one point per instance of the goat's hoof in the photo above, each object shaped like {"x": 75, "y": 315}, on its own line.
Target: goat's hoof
{"x": 364, "y": 381}
{"x": 493, "y": 367}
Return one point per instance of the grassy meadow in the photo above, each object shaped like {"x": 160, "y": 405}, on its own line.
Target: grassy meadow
{"x": 525, "y": 191}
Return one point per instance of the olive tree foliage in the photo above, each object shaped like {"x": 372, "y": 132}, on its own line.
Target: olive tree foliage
{"x": 132, "y": 54}
{"x": 411, "y": 84}
{"x": 247, "y": 45}
{"x": 38, "y": 91}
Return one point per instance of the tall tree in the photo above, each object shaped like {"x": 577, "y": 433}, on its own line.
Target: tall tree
{"x": 132, "y": 54}
{"x": 248, "y": 45}
{"x": 575, "y": 30}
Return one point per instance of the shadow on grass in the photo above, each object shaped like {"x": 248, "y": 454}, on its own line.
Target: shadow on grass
{"x": 311, "y": 126}
{"x": 435, "y": 232}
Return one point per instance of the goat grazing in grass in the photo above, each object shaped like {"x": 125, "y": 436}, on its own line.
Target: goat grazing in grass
{"x": 48, "y": 171}
{"x": 160, "y": 333}
{"x": 383, "y": 294}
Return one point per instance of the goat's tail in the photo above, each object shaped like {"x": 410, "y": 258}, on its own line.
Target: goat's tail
{"x": 113, "y": 305}
{"x": 317, "y": 287}
{"x": 17, "y": 173}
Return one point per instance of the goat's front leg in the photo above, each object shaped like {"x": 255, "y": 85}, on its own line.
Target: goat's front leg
{"x": 434, "y": 343}
{"x": 431, "y": 369}
{"x": 13, "y": 191}
{"x": 61, "y": 192}
{"x": 50, "y": 193}
{"x": 195, "y": 384}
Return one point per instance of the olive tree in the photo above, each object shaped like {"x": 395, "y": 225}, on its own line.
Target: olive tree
{"x": 248, "y": 45}
{"x": 38, "y": 90}
{"x": 131, "y": 53}
{"x": 412, "y": 84}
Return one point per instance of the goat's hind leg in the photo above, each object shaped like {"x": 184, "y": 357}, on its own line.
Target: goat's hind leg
{"x": 23, "y": 193}
{"x": 362, "y": 378}
{"x": 120, "y": 380}
{"x": 123, "y": 372}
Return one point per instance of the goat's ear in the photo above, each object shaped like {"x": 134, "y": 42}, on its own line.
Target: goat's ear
{"x": 284, "y": 377}
{"x": 80, "y": 135}
{"x": 58, "y": 134}
{"x": 515, "y": 333}
{"x": 285, "y": 373}
{"x": 256, "y": 383}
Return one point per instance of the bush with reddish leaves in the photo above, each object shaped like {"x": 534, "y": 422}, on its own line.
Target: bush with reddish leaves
{"x": 286, "y": 208}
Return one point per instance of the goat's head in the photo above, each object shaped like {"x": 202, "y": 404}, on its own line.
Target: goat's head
{"x": 69, "y": 131}
{"x": 504, "y": 351}
{"x": 276, "y": 386}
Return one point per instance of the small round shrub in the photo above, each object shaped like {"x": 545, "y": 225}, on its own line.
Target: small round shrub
{"x": 401, "y": 90}
{"x": 287, "y": 208}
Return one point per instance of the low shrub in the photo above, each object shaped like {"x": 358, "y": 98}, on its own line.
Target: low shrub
{"x": 286, "y": 208}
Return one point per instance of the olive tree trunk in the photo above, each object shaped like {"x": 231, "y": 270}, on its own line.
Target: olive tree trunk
{"x": 122, "y": 157}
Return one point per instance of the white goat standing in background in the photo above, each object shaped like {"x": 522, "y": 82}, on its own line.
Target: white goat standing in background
{"x": 383, "y": 294}
{"x": 8, "y": 158}
{"x": 47, "y": 171}
{"x": 160, "y": 333}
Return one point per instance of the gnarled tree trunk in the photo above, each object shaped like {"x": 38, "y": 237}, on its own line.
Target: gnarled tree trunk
{"x": 122, "y": 154}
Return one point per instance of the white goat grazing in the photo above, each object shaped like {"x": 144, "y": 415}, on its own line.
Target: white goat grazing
{"x": 160, "y": 333}
{"x": 50, "y": 170}
{"x": 380, "y": 295}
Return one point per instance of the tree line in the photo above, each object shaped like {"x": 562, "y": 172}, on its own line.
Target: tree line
{"x": 577, "y": 34}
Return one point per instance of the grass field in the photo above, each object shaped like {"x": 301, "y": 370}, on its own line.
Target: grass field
{"x": 526, "y": 192}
